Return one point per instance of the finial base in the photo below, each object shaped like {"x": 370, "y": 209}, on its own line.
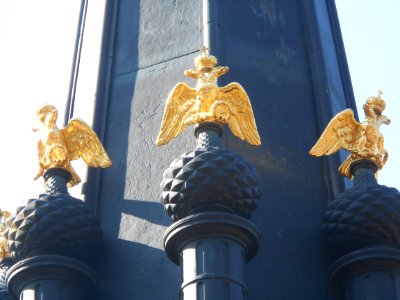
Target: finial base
{"x": 208, "y": 134}
{"x": 371, "y": 271}
{"x": 363, "y": 172}
{"x": 53, "y": 277}
{"x": 211, "y": 249}
{"x": 57, "y": 180}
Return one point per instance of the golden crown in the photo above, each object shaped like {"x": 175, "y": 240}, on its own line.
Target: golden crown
{"x": 205, "y": 60}
{"x": 377, "y": 102}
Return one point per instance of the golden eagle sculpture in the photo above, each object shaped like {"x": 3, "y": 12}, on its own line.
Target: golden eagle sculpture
{"x": 363, "y": 140}
{"x": 208, "y": 103}
{"x": 58, "y": 147}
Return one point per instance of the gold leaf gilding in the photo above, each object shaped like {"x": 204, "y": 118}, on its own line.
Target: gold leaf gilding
{"x": 208, "y": 103}
{"x": 363, "y": 140}
{"x": 58, "y": 147}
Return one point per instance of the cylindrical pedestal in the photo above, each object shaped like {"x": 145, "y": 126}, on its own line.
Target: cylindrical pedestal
{"x": 368, "y": 274}
{"x": 5, "y": 265}
{"x": 51, "y": 277}
{"x": 211, "y": 249}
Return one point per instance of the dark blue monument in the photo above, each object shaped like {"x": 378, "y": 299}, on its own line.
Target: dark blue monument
{"x": 233, "y": 221}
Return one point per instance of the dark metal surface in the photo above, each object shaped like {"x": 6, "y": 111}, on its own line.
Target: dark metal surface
{"x": 54, "y": 223}
{"x": 205, "y": 191}
{"x": 5, "y": 265}
{"x": 364, "y": 172}
{"x": 370, "y": 273}
{"x": 51, "y": 239}
{"x": 208, "y": 134}
{"x": 208, "y": 272}
{"x": 368, "y": 214}
{"x": 56, "y": 181}
{"x": 283, "y": 54}
{"x": 209, "y": 179}
{"x": 362, "y": 231}
{"x": 51, "y": 277}
{"x": 211, "y": 249}
{"x": 211, "y": 224}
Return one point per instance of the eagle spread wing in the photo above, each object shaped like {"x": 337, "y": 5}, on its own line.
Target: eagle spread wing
{"x": 241, "y": 119}
{"x": 341, "y": 132}
{"x": 82, "y": 141}
{"x": 180, "y": 100}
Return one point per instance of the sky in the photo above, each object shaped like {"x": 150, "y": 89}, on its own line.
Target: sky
{"x": 371, "y": 34}
{"x": 35, "y": 65}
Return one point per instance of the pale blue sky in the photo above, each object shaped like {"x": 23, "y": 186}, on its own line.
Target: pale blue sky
{"x": 35, "y": 63}
{"x": 371, "y": 34}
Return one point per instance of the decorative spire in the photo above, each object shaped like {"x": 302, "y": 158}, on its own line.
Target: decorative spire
{"x": 208, "y": 103}
{"x": 363, "y": 140}
{"x": 210, "y": 191}
{"x": 58, "y": 147}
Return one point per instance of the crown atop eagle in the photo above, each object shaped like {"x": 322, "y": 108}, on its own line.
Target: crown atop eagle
{"x": 205, "y": 60}
{"x": 377, "y": 102}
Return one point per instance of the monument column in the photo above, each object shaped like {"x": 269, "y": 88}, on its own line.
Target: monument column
{"x": 288, "y": 56}
{"x": 53, "y": 239}
{"x": 210, "y": 192}
{"x": 362, "y": 224}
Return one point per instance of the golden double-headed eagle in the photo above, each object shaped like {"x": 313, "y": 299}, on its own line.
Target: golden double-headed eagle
{"x": 208, "y": 103}
{"x": 363, "y": 140}
{"x": 58, "y": 147}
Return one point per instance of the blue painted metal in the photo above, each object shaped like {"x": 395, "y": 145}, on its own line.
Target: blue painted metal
{"x": 289, "y": 57}
{"x": 51, "y": 277}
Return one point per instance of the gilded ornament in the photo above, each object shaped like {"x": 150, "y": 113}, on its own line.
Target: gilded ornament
{"x": 58, "y": 147}
{"x": 4, "y": 251}
{"x": 363, "y": 140}
{"x": 208, "y": 103}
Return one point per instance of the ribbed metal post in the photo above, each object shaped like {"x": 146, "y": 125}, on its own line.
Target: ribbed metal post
{"x": 368, "y": 274}
{"x": 51, "y": 277}
{"x": 208, "y": 272}
{"x": 212, "y": 249}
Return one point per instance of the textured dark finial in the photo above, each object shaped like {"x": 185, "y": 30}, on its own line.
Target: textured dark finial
{"x": 56, "y": 181}
{"x": 210, "y": 179}
{"x": 365, "y": 215}
{"x": 53, "y": 224}
{"x": 208, "y": 134}
{"x": 363, "y": 172}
